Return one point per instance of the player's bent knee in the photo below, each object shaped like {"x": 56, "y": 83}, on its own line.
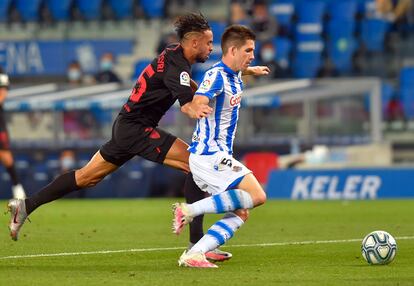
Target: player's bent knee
{"x": 242, "y": 213}
{"x": 260, "y": 199}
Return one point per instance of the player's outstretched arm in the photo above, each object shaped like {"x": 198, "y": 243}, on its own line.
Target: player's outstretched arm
{"x": 197, "y": 108}
{"x": 256, "y": 70}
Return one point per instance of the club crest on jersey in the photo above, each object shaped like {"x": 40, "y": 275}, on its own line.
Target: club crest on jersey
{"x": 205, "y": 85}
{"x": 185, "y": 78}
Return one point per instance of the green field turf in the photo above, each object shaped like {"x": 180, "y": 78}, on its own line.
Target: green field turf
{"x": 72, "y": 226}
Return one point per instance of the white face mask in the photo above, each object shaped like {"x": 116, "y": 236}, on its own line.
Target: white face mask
{"x": 74, "y": 74}
{"x": 268, "y": 55}
{"x": 67, "y": 163}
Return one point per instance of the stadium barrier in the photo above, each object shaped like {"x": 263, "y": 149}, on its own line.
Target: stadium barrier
{"x": 344, "y": 184}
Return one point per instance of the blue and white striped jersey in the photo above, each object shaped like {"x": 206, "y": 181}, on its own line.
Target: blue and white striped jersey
{"x": 216, "y": 133}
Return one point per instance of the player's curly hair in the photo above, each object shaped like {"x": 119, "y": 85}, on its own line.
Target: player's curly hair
{"x": 190, "y": 22}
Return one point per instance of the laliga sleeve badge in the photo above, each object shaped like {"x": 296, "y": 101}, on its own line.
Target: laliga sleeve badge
{"x": 185, "y": 78}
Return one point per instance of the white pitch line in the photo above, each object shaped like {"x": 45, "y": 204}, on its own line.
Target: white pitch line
{"x": 181, "y": 248}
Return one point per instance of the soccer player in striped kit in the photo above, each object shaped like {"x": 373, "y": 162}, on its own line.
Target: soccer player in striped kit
{"x": 6, "y": 155}
{"x": 233, "y": 187}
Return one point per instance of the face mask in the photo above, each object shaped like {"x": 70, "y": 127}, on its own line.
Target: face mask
{"x": 106, "y": 65}
{"x": 74, "y": 74}
{"x": 67, "y": 163}
{"x": 268, "y": 55}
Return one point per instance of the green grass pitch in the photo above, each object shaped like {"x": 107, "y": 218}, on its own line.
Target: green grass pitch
{"x": 265, "y": 250}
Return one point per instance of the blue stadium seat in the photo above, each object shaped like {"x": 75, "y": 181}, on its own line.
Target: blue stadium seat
{"x": 38, "y": 177}
{"x": 310, "y": 20}
{"x": 140, "y": 65}
{"x": 283, "y": 11}
{"x": 407, "y": 77}
{"x": 60, "y": 9}
{"x": 5, "y": 184}
{"x": 90, "y": 9}
{"x": 122, "y": 8}
{"x": 4, "y": 9}
{"x": 340, "y": 29}
{"x": 153, "y": 8}
{"x": 283, "y": 51}
{"x": 310, "y": 11}
{"x": 308, "y": 59}
{"x": 407, "y": 90}
{"x": 134, "y": 179}
{"x": 341, "y": 50}
{"x": 218, "y": 29}
{"x": 373, "y": 33}
{"x": 28, "y": 9}
{"x": 343, "y": 10}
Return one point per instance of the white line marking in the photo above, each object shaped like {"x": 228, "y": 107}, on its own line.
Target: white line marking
{"x": 181, "y": 248}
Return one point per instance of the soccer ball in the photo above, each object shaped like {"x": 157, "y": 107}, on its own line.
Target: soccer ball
{"x": 379, "y": 247}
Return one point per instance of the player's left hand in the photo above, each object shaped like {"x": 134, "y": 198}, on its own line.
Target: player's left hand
{"x": 258, "y": 70}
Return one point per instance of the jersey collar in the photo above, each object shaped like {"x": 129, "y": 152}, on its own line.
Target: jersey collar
{"x": 227, "y": 69}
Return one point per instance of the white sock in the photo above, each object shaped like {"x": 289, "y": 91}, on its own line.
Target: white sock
{"x": 227, "y": 201}
{"x": 218, "y": 233}
{"x": 18, "y": 192}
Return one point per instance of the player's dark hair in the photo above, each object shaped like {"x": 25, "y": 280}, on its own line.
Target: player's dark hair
{"x": 190, "y": 22}
{"x": 236, "y": 35}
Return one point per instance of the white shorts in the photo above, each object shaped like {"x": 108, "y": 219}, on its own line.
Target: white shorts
{"x": 216, "y": 173}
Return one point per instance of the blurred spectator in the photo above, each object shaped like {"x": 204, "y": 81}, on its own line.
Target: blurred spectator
{"x": 238, "y": 14}
{"x": 394, "y": 110}
{"x": 166, "y": 40}
{"x": 77, "y": 124}
{"x": 262, "y": 23}
{"x": 267, "y": 57}
{"x": 67, "y": 161}
{"x": 328, "y": 69}
{"x": 74, "y": 73}
{"x": 106, "y": 74}
{"x": 394, "y": 10}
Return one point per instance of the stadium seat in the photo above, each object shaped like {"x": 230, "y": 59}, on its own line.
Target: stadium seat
{"x": 4, "y": 9}
{"x": 340, "y": 29}
{"x": 343, "y": 10}
{"x": 407, "y": 90}
{"x": 283, "y": 11}
{"x": 140, "y": 65}
{"x": 308, "y": 59}
{"x": 134, "y": 179}
{"x": 373, "y": 33}
{"x": 60, "y": 9}
{"x": 38, "y": 177}
{"x": 341, "y": 51}
{"x": 122, "y": 8}
{"x": 261, "y": 163}
{"x": 5, "y": 184}
{"x": 153, "y": 8}
{"x": 283, "y": 51}
{"x": 28, "y": 9}
{"x": 310, "y": 20}
{"x": 90, "y": 9}
{"x": 218, "y": 29}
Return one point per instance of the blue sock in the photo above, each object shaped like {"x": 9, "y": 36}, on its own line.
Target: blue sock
{"x": 227, "y": 201}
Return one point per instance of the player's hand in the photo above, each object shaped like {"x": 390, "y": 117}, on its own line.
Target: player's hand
{"x": 257, "y": 70}
{"x": 196, "y": 110}
{"x": 202, "y": 110}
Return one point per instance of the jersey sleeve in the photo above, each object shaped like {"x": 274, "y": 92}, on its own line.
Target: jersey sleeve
{"x": 177, "y": 80}
{"x": 212, "y": 84}
{"x": 4, "y": 80}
